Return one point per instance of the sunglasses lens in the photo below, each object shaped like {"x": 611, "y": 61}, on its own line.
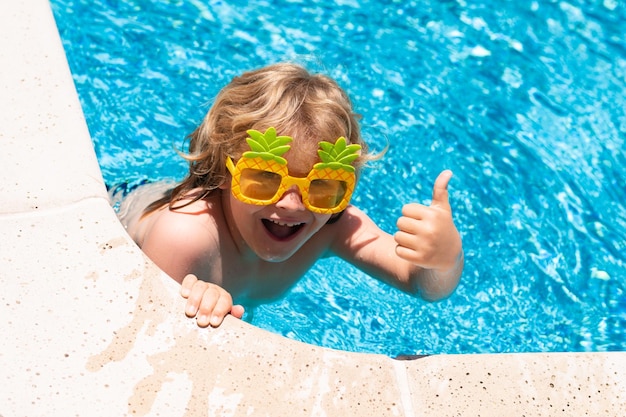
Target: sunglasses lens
{"x": 259, "y": 185}
{"x": 326, "y": 194}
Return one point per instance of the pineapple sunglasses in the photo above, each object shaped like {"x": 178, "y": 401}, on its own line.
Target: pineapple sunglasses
{"x": 261, "y": 176}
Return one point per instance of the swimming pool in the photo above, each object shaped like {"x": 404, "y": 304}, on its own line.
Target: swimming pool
{"x": 524, "y": 103}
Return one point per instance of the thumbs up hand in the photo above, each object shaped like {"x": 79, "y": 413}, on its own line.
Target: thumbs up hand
{"x": 427, "y": 236}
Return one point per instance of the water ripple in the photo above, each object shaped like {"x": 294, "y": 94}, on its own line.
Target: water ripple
{"x": 524, "y": 102}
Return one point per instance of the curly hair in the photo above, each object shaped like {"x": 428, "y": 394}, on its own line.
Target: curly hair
{"x": 308, "y": 107}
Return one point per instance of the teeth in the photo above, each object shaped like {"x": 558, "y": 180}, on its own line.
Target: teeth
{"x": 285, "y": 224}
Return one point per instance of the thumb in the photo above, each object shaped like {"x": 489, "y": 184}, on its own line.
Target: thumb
{"x": 440, "y": 190}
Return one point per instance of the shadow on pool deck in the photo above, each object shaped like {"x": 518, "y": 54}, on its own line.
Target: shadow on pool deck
{"x": 91, "y": 327}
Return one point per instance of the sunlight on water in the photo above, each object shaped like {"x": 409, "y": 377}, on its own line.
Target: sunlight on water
{"x": 524, "y": 102}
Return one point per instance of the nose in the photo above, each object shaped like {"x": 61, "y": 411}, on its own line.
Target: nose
{"x": 291, "y": 200}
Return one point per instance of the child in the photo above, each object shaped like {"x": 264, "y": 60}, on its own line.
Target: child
{"x": 272, "y": 169}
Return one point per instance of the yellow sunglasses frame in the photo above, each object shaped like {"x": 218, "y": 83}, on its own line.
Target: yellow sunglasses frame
{"x": 303, "y": 184}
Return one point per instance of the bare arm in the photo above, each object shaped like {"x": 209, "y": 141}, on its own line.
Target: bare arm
{"x": 175, "y": 242}
{"x": 184, "y": 243}
{"x": 424, "y": 257}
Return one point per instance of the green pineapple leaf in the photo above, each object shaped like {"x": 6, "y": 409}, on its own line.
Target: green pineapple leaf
{"x": 348, "y": 159}
{"x": 256, "y": 146}
{"x": 267, "y": 145}
{"x": 279, "y": 150}
{"x": 349, "y": 151}
{"x": 338, "y": 155}
{"x": 256, "y": 135}
{"x": 326, "y": 146}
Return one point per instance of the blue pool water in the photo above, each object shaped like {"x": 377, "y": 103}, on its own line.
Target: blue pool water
{"x": 524, "y": 102}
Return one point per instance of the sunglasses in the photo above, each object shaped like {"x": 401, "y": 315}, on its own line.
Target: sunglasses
{"x": 262, "y": 183}
{"x": 261, "y": 176}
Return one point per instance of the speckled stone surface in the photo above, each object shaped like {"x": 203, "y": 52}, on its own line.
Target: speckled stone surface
{"x": 92, "y": 328}
{"x": 563, "y": 384}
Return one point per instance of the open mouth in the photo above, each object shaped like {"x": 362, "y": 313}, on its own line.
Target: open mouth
{"x": 281, "y": 230}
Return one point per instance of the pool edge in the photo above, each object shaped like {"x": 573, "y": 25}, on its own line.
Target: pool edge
{"x": 143, "y": 357}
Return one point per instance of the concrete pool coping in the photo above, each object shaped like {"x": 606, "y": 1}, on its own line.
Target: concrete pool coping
{"x": 91, "y": 327}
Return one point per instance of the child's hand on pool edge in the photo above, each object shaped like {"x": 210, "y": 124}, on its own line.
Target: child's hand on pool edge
{"x": 427, "y": 235}
{"x": 208, "y": 303}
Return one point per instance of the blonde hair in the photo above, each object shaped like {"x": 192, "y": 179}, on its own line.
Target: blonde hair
{"x": 308, "y": 107}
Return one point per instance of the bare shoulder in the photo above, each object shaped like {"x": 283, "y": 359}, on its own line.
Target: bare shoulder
{"x": 191, "y": 223}
{"x": 356, "y": 234}
{"x": 132, "y": 206}
{"x": 353, "y": 223}
{"x": 184, "y": 239}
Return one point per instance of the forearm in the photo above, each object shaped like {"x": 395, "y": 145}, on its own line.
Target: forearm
{"x": 434, "y": 284}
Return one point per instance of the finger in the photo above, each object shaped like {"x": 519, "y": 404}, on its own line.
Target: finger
{"x": 187, "y": 284}
{"x": 404, "y": 239}
{"x": 414, "y": 211}
{"x": 410, "y": 225}
{"x": 195, "y": 298}
{"x": 407, "y": 254}
{"x": 221, "y": 309}
{"x": 206, "y": 310}
{"x": 237, "y": 311}
{"x": 440, "y": 190}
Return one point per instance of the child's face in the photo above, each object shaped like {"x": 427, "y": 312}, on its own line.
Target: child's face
{"x": 277, "y": 231}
